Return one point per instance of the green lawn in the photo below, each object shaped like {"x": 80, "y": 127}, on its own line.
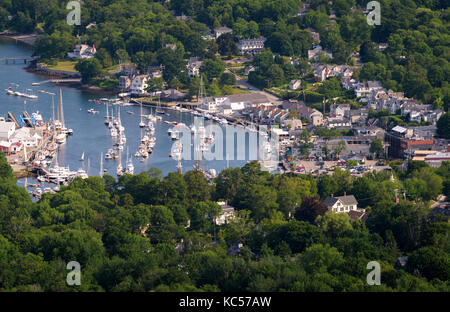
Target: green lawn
{"x": 108, "y": 84}
{"x": 64, "y": 65}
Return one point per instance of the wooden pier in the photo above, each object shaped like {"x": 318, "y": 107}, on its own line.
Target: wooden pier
{"x": 17, "y": 60}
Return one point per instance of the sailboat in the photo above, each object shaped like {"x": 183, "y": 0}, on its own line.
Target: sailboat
{"x": 82, "y": 157}
{"x": 141, "y": 124}
{"x": 130, "y": 166}
{"x": 158, "y": 109}
{"x": 107, "y": 115}
{"x": 119, "y": 170}
{"x": 61, "y": 137}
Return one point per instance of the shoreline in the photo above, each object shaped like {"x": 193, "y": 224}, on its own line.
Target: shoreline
{"x": 28, "y": 39}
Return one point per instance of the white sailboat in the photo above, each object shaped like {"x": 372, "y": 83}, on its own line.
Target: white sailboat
{"x": 61, "y": 137}
{"x": 141, "y": 124}
{"x": 130, "y": 166}
{"x": 82, "y": 157}
{"x": 119, "y": 170}
{"x": 107, "y": 115}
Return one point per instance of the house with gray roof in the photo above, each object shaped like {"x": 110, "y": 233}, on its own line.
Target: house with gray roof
{"x": 344, "y": 203}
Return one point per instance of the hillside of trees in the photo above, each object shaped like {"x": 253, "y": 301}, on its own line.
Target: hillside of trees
{"x": 152, "y": 233}
{"x": 416, "y": 61}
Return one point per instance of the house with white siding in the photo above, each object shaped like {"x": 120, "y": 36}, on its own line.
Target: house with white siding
{"x": 344, "y": 203}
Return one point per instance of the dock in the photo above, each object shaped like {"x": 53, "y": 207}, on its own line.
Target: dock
{"x": 62, "y": 80}
{"x": 17, "y": 60}
{"x": 13, "y": 119}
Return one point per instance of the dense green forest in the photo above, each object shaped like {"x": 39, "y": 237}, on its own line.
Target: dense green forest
{"x": 417, "y": 31}
{"x": 152, "y": 233}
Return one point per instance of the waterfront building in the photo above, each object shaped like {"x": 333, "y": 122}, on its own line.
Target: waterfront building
{"x": 24, "y": 136}
{"x": 6, "y": 130}
{"x": 139, "y": 85}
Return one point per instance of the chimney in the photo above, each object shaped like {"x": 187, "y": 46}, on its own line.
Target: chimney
{"x": 345, "y": 193}
{"x": 226, "y": 202}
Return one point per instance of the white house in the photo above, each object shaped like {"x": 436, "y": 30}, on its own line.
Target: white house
{"x": 193, "y": 67}
{"x": 82, "y": 51}
{"x": 226, "y": 213}
{"x": 6, "y": 130}
{"x": 341, "y": 203}
{"x": 139, "y": 85}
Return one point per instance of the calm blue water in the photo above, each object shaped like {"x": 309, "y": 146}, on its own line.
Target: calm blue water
{"x": 91, "y": 136}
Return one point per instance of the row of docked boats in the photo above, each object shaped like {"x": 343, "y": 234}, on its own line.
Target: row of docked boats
{"x": 148, "y": 138}
{"x": 22, "y": 94}
{"x": 117, "y": 132}
{"x": 44, "y": 158}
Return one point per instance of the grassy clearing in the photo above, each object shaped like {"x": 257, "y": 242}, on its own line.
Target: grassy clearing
{"x": 64, "y": 65}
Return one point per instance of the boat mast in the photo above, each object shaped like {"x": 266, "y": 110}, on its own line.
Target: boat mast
{"x": 101, "y": 164}
{"x": 53, "y": 118}
{"x": 201, "y": 90}
{"x": 62, "y": 112}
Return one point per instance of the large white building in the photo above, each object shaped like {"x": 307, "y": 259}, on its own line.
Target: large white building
{"x": 251, "y": 46}
{"x": 23, "y": 136}
{"x": 139, "y": 85}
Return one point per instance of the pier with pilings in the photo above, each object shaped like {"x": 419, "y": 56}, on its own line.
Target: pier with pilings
{"x": 17, "y": 60}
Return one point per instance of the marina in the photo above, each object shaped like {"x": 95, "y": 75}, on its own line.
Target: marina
{"x": 103, "y": 138}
